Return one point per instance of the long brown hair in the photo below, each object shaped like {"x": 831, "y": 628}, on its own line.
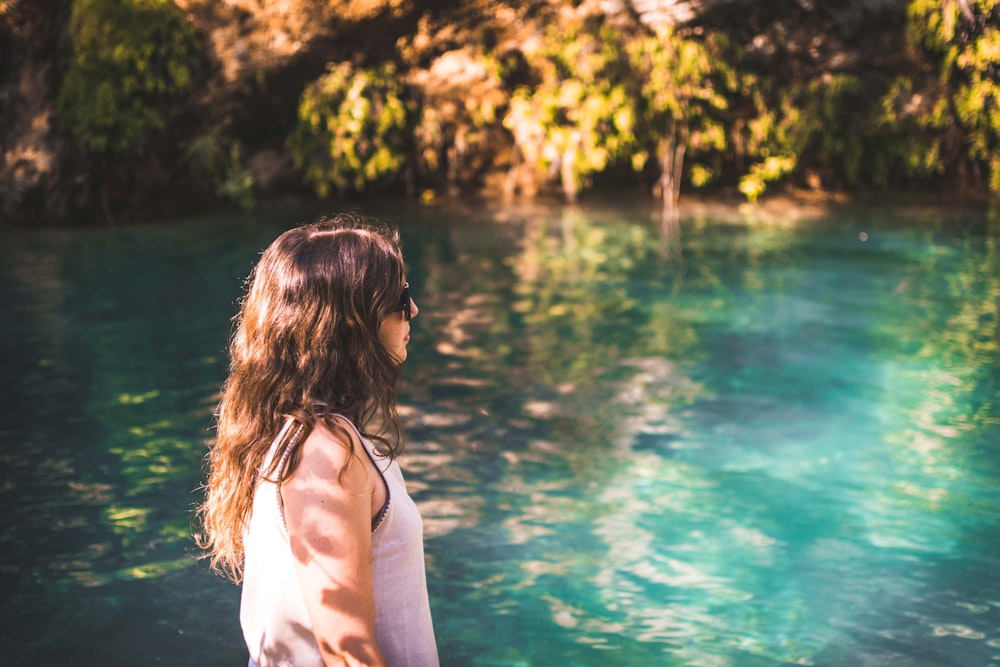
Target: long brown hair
{"x": 305, "y": 345}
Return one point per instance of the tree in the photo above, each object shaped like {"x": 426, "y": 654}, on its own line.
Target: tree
{"x": 579, "y": 116}
{"x": 128, "y": 60}
{"x": 680, "y": 101}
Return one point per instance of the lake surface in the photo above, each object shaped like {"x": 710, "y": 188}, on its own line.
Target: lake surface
{"x": 759, "y": 441}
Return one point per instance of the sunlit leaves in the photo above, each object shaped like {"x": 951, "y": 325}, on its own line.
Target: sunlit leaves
{"x": 353, "y": 128}
{"x": 458, "y": 127}
{"x": 816, "y": 120}
{"x": 680, "y": 97}
{"x": 676, "y": 74}
{"x": 700, "y": 175}
{"x": 568, "y": 95}
{"x": 771, "y": 168}
{"x": 961, "y": 39}
{"x": 580, "y": 117}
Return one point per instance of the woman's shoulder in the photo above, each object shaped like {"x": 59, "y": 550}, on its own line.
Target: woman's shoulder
{"x": 332, "y": 443}
{"x": 333, "y": 430}
{"x": 338, "y": 428}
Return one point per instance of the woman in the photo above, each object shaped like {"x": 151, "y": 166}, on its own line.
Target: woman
{"x": 305, "y": 501}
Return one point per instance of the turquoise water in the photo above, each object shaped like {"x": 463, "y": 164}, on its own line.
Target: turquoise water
{"x": 767, "y": 441}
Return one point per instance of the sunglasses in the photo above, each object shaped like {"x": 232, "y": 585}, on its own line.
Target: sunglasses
{"x": 405, "y": 304}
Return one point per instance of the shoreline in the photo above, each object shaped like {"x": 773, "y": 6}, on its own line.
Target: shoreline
{"x": 786, "y": 206}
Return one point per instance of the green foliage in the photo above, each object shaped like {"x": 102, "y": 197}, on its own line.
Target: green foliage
{"x": 580, "y": 116}
{"x": 775, "y": 136}
{"x": 216, "y": 159}
{"x": 582, "y": 95}
{"x": 773, "y": 168}
{"x": 815, "y": 119}
{"x": 962, "y": 41}
{"x": 681, "y": 95}
{"x": 129, "y": 57}
{"x": 838, "y": 132}
{"x": 457, "y": 128}
{"x": 353, "y": 128}
{"x": 910, "y": 128}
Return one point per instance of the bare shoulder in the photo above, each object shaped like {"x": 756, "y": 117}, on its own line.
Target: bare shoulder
{"x": 330, "y": 454}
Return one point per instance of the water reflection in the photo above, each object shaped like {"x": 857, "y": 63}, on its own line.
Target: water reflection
{"x": 752, "y": 443}
{"x": 696, "y": 464}
{"x": 111, "y": 375}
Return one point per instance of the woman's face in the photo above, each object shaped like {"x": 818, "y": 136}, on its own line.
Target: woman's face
{"x": 395, "y": 332}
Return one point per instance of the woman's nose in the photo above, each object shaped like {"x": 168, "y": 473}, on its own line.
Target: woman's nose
{"x": 414, "y": 311}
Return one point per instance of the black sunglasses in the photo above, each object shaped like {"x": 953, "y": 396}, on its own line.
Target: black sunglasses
{"x": 405, "y": 304}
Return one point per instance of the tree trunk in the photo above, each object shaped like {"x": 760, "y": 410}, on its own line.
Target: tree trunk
{"x": 567, "y": 169}
{"x": 680, "y": 148}
{"x": 666, "y": 182}
{"x": 672, "y": 150}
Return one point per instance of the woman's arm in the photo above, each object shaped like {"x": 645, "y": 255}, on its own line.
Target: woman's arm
{"x": 328, "y": 508}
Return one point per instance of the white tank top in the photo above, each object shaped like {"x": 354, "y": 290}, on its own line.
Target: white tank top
{"x": 276, "y": 623}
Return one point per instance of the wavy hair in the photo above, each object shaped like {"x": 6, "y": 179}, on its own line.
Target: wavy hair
{"x": 305, "y": 346}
